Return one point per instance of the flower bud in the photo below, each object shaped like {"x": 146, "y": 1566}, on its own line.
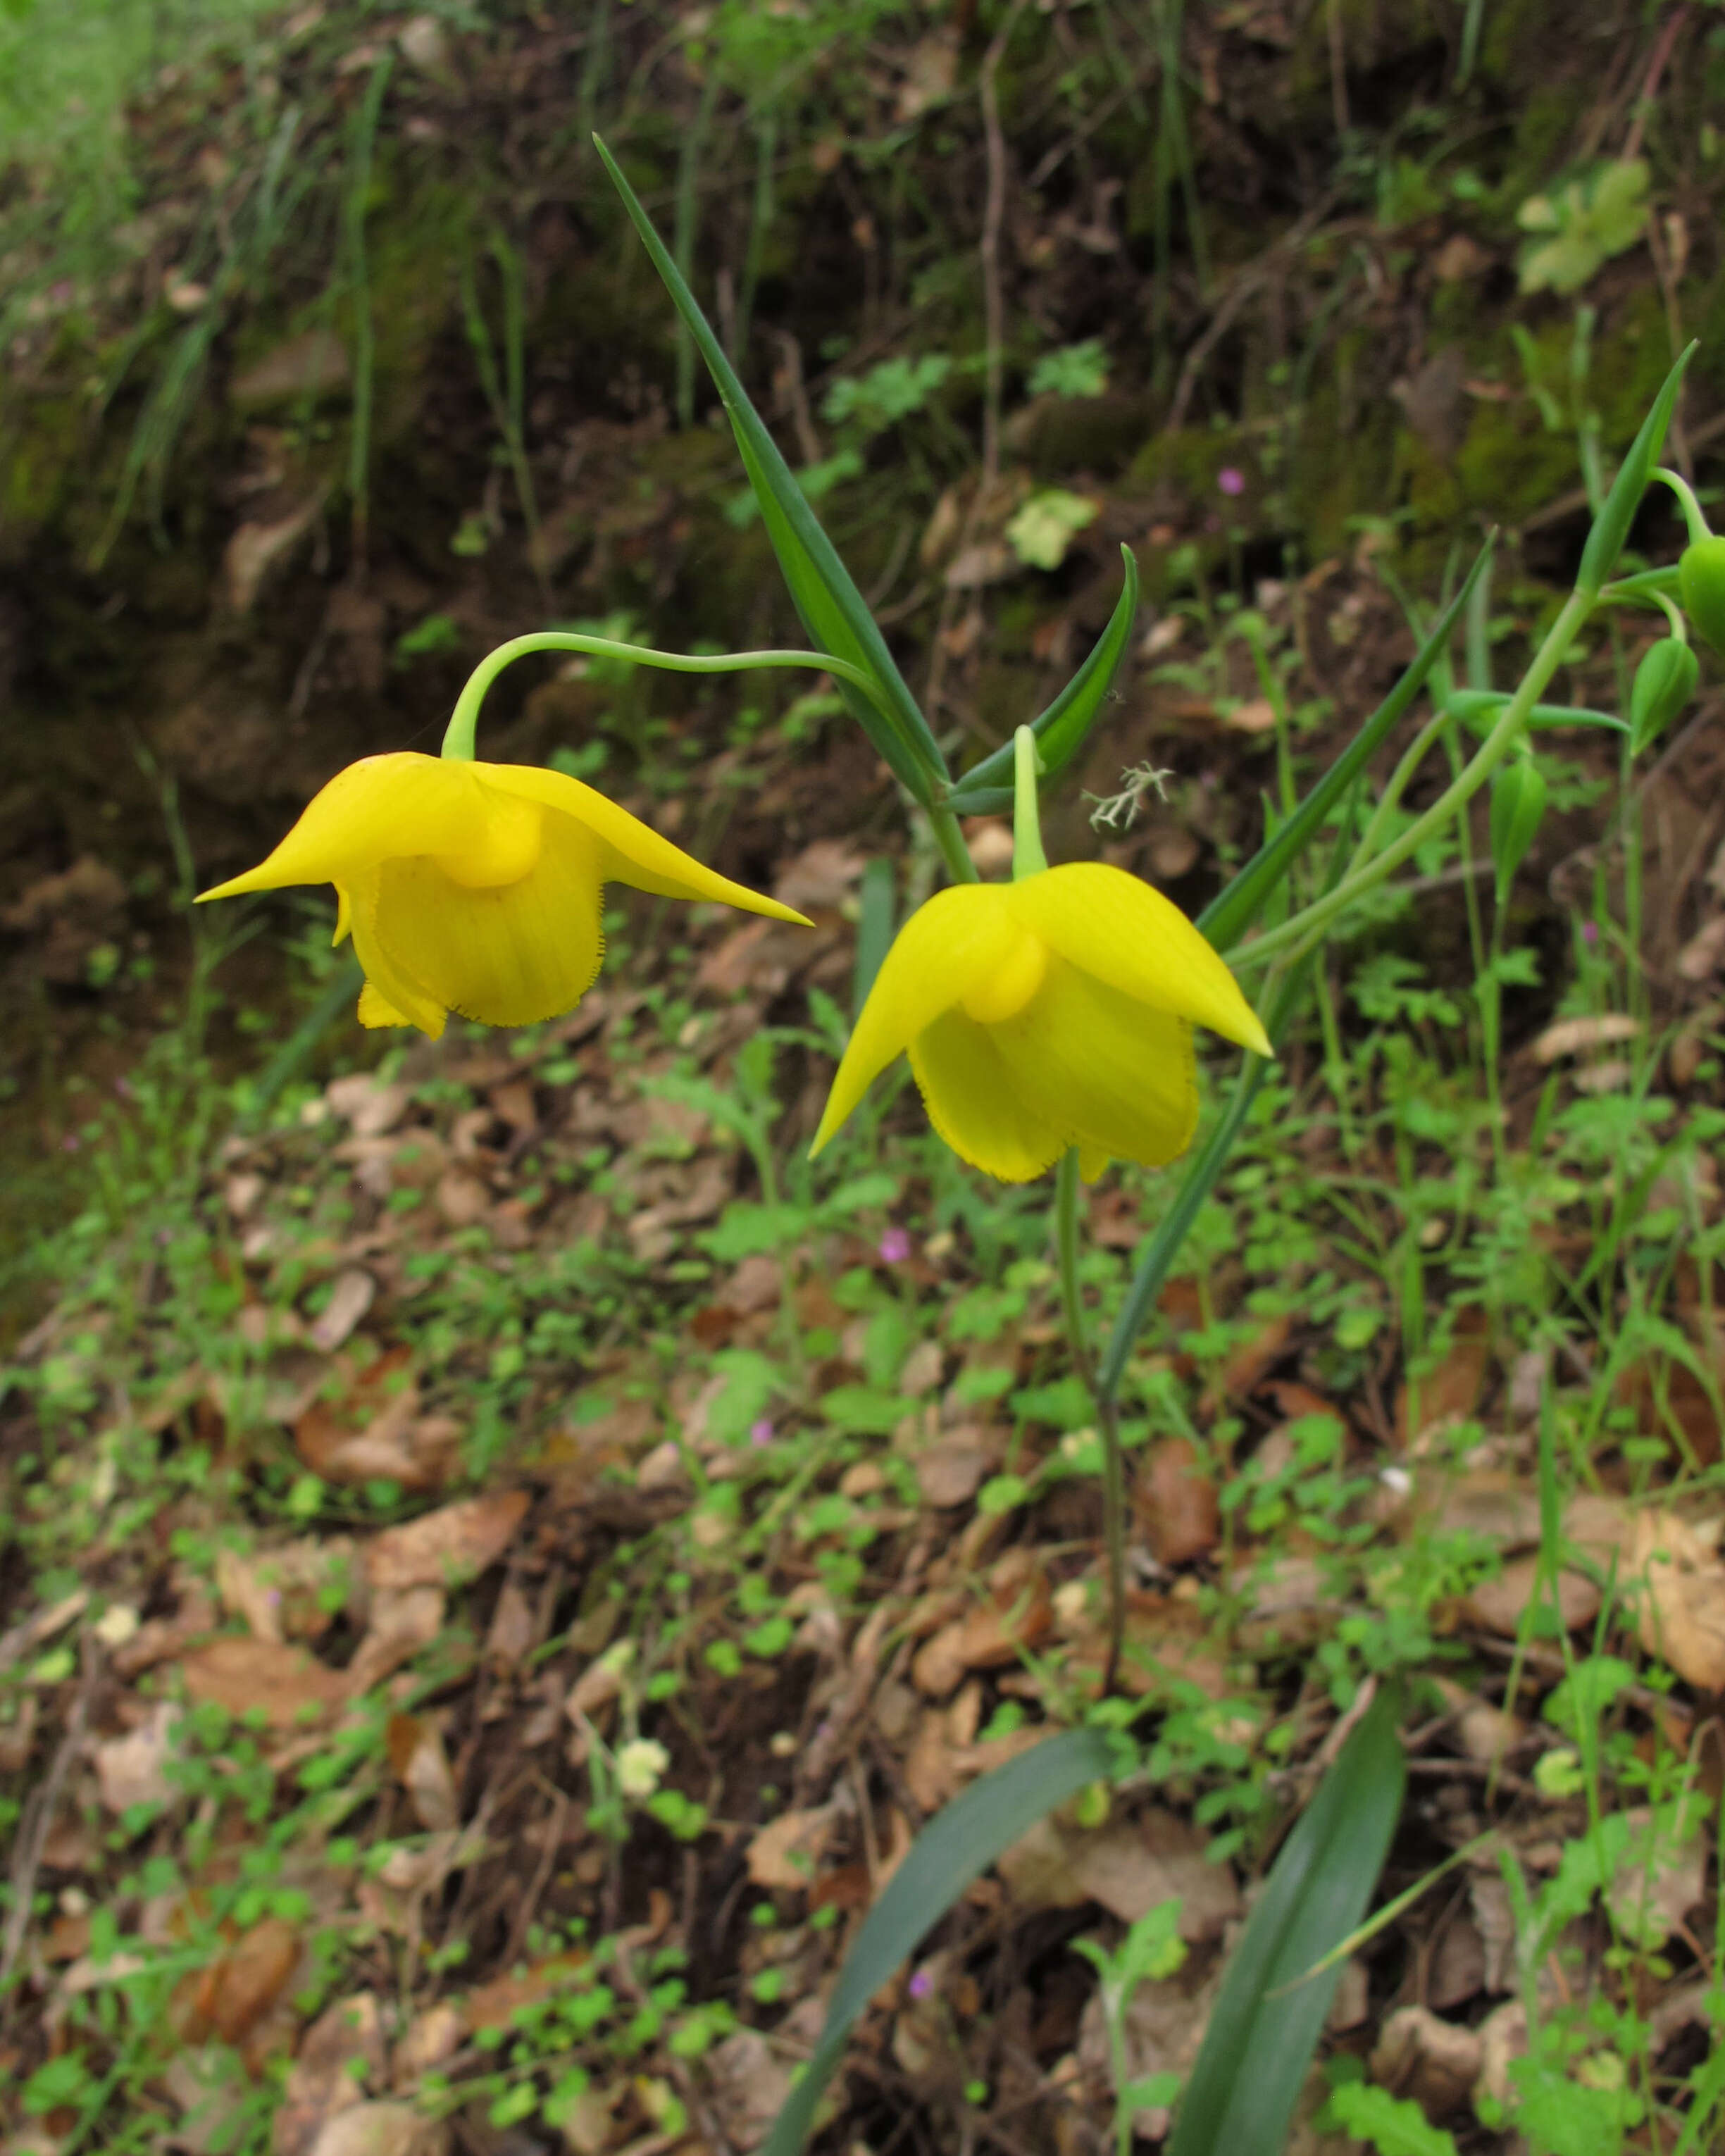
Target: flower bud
{"x": 1700, "y": 580}
{"x": 1517, "y": 808}
{"x": 1665, "y": 681}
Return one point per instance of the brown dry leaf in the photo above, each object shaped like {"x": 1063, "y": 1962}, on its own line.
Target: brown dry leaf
{"x": 821, "y": 877}
{"x": 1177, "y": 1503}
{"x": 449, "y": 1547}
{"x": 245, "y": 1676}
{"x": 786, "y": 1851}
{"x": 323, "y": 2080}
{"x": 376, "y": 1432}
{"x": 370, "y": 1105}
{"x": 1163, "y": 2027}
{"x": 954, "y": 1468}
{"x": 1495, "y": 1606}
{"x": 1450, "y": 1393}
{"x": 402, "y": 1621}
{"x": 415, "y": 1746}
{"x": 1682, "y": 1613}
{"x": 751, "y": 2079}
{"x": 382, "y": 2129}
{"x": 514, "y": 1630}
{"x": 256, "y": 549}
{"x": 1256, "y": 715}
{"x": 281, "y": 1594}
{"x": 430, "y": 2038}
{"x": 1572, "y": 1036}
{"x": 230, "y": 1997}
{"x": 1129, "y": 1865}
{"x": 351, "y": 1296}
{"x": 1433, "y": 2062}
{"x": 132, "y": 1769}
{"x": 1015, "y": 1613}
{"x": 1167, "y": 1642}
{"x": 1664, "y": 1877}
{"x": 1253, "y": 1360}
{"x": 932, "y": 1771}
{"x": 493, "y": 2005}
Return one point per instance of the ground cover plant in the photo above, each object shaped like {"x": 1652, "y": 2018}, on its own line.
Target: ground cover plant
{"x": 540, "y": 1615}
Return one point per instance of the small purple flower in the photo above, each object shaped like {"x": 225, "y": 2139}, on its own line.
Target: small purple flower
{"x": 761, "y": 1432}
{"x": 68, "y": 1143}
{"x": 1590, "y": 932}
{"x": 894, "y": 1247}
{"x": 1231, "y": 480}
{"x": 922, "y": 1983}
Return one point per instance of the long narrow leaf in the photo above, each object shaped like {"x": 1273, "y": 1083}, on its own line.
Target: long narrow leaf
{"x": 1199, "y": 1179}
{"x": 1479, "y": 707}
{"x": 956, "y": 1847}
{"x": 1234, "y": 909}
{"x": 831, "y": 606}
{"x": 987, "y": 789}
{"x": 1271, "y": 2010}
{"x": 1617, "y": 512}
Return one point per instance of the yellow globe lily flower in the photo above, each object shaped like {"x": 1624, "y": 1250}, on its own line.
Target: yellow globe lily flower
{"x": 475, "y": 887}
{"x": 1053, "y": 1011}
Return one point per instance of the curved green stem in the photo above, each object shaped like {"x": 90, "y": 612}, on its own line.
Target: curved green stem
{"x": 459, "y": 737}
{"x": 1366, "y": 875}
{"x": 1066, "y": 1193}
{"x": 1680, "y": 486}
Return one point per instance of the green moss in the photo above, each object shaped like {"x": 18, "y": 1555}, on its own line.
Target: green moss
{"x": 40, "y": 453}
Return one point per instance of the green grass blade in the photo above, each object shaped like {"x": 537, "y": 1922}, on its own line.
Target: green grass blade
{"x": 1234, "y": 909}
{"x": 1270, "y": 2012}
{"x": 957, "y": 1846}
{"x": 831, "y": 606}
{"x": 1617, "y": 512}
{"x": 1163, "y": 1247}
{"x": 1060, "y": 731}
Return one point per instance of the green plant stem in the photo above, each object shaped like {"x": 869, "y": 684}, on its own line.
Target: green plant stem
{"x": 1367, "y": 874}
{"x": 950, "y": 839}
{"x": 459, "y": 736}
{"x": 1066, "y": 1191}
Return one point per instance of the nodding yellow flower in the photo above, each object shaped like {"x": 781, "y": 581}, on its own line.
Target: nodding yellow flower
{"x": 1053, "y": 1011}
{"x": 475, "y": 887}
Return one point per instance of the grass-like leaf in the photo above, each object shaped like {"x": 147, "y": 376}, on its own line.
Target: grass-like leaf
{"x": 987, "y": 789}
{"x": 830, "y": 605}
{"x": 1270, "y": 2012}
{"x": 1234, "y": 909}
{"x": 956, "y": 1847}
{"x": 1617, "y": 512}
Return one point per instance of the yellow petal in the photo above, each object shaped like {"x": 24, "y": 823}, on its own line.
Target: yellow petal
{"x": 509, "y": 955}
{"x": 1115, "y": 1077}
{"x": 1130, "y": 937}
{"x": 379, "y": 807}
{"x": 974, "y": 1103}
{"x": 628, "y": 850}
{"x": 956, "y": 943}
{"x": 376, "y": 1010}
{"x": 393, "y": 989}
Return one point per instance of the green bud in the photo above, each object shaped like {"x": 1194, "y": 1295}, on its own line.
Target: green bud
{"x": 1517, "y": 809}
{"x": 1700, "y": 580}
{"x": 1665, "y": 681}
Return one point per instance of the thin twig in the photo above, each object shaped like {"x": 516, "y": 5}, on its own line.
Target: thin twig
{"x": 39, "y": 1807}
{"x": 1657, "y": 66}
